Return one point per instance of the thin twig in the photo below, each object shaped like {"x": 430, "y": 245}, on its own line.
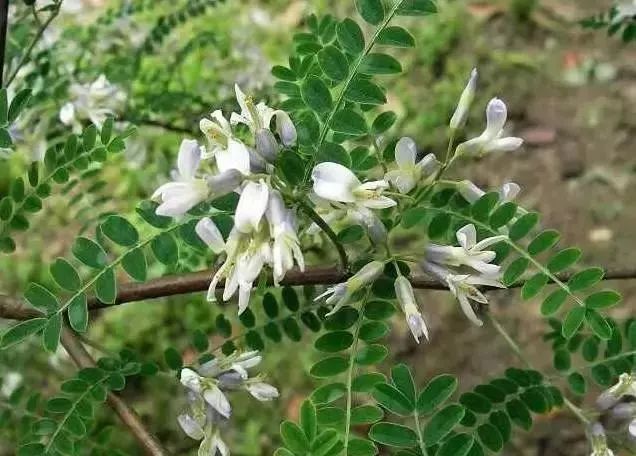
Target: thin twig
{"x": 128, "y": 416}
{"x": 27, "y": 53}
{"x": 15, "y": 309}
{"x": 4, "y": 25}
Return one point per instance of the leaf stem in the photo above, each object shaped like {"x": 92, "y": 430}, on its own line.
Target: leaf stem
{"x": 27, "y": 53}
{"x": 420, "y": 437}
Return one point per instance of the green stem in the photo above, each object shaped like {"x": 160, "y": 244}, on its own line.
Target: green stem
{"x": 318, "y": 220}
{"x": 352, "y": 358}
{"x": 27, "y": 53}
{"x": 517, "y": 350}
{"x": 352, "y": 74}
{"x": 420, "y": 437}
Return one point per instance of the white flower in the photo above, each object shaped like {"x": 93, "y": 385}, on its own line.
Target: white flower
{"x": 254, "y": 116}
{"x": 10, "y": 383}
{"x": 464, "y": 287}
{"x": 218, "y": 131}
{"x": 251, "y": 206}
{"x": 335, "y": 182}
{"x": 209, "y": 233}
{"x": 599, "y": 441}
{"x": 409, "y": 173}
{"x": 286, "y": 246}
{"x": 624, "y": 11}
{"x": 235, "y": 157}
{"x": 471, "y": 193}
{"x": 262, "y": 391}
{"x": 211, "y": 444}
{"x": 626, "y": 386}
{"x": 365, "y": 217}
{"x": 208, "y": 389}
{"x": 187, "y": 191}
{"x": 192, "y": 427}
{"x": 491, "y": 139}
{"x": 470, "y": 253}
{"x": 406, "y": 298}
{"x": 341, "y": 294}
{"x": 94, "y": 101}
{"x": 465, "y": 100}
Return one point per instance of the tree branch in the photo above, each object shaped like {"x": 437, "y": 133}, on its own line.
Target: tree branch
{"x": 128, "y": 416}
{"x": 15, "y": 309}
{"x": 4, "y": 25}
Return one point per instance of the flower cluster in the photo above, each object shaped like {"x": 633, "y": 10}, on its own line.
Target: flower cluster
{"x": 264, "y": 231}
{"x": 208, "y": 406}
{"x": 618, "y": 408}
{"x": 94, "y": 101}
{"x": 465, "y": 267}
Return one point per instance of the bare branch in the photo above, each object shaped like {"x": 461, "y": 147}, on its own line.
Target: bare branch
{"x": 128, "y": 416}
{"x": 15, "y": 309}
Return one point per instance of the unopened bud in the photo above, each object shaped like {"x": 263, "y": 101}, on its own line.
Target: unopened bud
{"x": 365, "y": 276}
{"x": 469, "y": 191}
{"x": 285, "y": 128}
{"x": 266, "y": 145}
{"x": 465, "y": 100}
{"x": 224, "y": 183}
{"x": 406, "y": 299}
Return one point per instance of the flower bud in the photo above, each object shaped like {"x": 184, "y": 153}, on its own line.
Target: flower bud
{"x": 365, "y": 276}
{"x": 224, "y": 183}
{"x": 285, "y": 128}
{"x": 266, "y": 144}
{"x": 406, "y": 299}
{"x": 262, "y": 391}
{"x": 208, "y": 232}
{"x": 465, "y": 100}
{"x": 469, "y": 191}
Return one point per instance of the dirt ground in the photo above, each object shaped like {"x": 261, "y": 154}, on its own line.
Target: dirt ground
{"x": 577, "y": 169}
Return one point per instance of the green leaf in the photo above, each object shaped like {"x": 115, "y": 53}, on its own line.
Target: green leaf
{"x": 403, "y": 381}
{"x": 439, "y": 226}
{"x": 436, "y": 392}
{"x": 5, "y": 139}
{"x": 134, "y": 263}
{"x": 563, "y": 259}
{"x": 65, "y": 275}
{"x": 21, "y": 331}
{"x": 523, "y": 226}
{"x": 41, "y": 298}
{"x": 562, "y": 360}
{"x": 543, "y": 241}
{"x": 333, "y": 63}
{"x": 89, "y": 252}
{"x": 392, "y": 399}
{"x": 107, "y": 130}
{"x": 490, "y": 437}
{"x": 18, "y": 103}
{"x": 577, "y": 383}
{"x": 573, "y": 321}
{"x": 165, "y": 249}
{"x": 173, "y": 359}
{"x": 602, "y": 299}
{"x": 78, "y": 313}
{"x": 332, "y": 152}
{"x": 284, "y": 73}
{"x": 515, "y": 270}
{"x": 342, "y": 319}
{"x": 377, "y": 63}
{"x": 120, "y": 231}
{"x": 379, "y": 310}
{"x": 316, "y": 94}
{"x": 519, "y": 414}
{"x": 308, "y": 419}
{"x": 6, "y": 208}
{"x": 371, "y": 354}
{"x": 598, "y": 324}
{"x": 457, "y": 445}
{"x": 350, "y": 36}
{"x": 585, "y": 279}
{"x": 17, "y": 190}
{"x": 335, "y": 341}
{"x": 475, "y": 402}
{"x": 442, "y": 423}
{"x": 391, "y": 434}
{"x": 553, "y": 302}
{"x": 4, "y": 106}
{"x": 365, "y": 383}
{"x": 52, "y": 332}
{"x": 395, "y": 36}
{"x": 363, "y": 91}
{"x": 371, "y": 11}
{"x": 89, "y": 136}
{"x": 328, "y": 393}
{"x": 482, "y": 208}
{"x": 501, "y": 422}
{"x": 294, "y": 438}
{"x": 383, "y": 122}
{"x": 366, "y": 414}
{"x": 106, "y": 286}
{"x": 329, "y": 367}
{"x": 534, "y": 285}
{"x": 416, "y": 8}
{"x": 349, "y": 122}
{"x": 503, "y": 214}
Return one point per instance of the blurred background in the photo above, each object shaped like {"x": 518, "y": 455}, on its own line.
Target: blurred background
{"x": 571, "y": 93}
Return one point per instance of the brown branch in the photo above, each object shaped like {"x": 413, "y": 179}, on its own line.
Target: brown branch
{"x": 14, "y": 309}
{"x": 128, "y": 416}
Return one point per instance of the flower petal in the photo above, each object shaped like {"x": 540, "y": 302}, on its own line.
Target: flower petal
{"x": 504, "y": 145}
{"x": 334, "y": 182}
{"x": 236, "y": 156}
{"x": 467, "y": 236}
{"x": 496, "y": 115}
{"x": 190, "y": 426}
{"x": 379, "y": 202}
{"x": 251, "y": 206}
{"x": 405, "y": 152}
{"x": 215, "y": 397}
{"x": 189, "y": 158}
{"x": 209, "y": 233}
